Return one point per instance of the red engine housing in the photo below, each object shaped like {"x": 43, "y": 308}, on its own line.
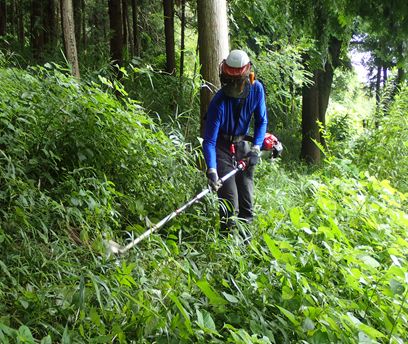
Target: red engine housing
{"x": 270, "y": 141}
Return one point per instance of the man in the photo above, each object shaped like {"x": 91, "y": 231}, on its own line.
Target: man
{"x": 228, "y": 120}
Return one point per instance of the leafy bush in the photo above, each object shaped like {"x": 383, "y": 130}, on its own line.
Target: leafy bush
{"x": 76, "y": 165}
{"x": 340, "y": 128}
{"x": 334, "y": 258}
{"x": 384, "y": 150}
{"x": 349, "y": 107}
{"x": 324, "y": 263}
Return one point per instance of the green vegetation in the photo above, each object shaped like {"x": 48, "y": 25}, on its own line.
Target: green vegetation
{"x": 105, "y": 156}
{"x": 326, "y": 261}
{"x": 384, "y": 149}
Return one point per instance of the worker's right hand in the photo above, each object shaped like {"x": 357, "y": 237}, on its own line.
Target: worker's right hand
{"x": 253, "y": 155}
{"x": 213, "y": 181}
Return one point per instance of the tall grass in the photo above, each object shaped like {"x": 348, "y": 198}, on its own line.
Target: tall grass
{"x": 324, "y": 261}
{"x": 384, "y": 149}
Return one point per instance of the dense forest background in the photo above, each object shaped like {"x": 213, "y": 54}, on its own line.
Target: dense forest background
{"x": 101, "y": 108}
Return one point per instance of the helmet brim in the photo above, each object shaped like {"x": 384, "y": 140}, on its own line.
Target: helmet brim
{"x": 231, "y": 72}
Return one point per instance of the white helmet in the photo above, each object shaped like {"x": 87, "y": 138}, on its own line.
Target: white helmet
{"x": 236, "y": 65}
{"x": 237, "y": 59}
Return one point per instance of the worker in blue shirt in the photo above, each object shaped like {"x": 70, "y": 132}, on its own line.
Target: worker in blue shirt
{"x": 227, "y": 125}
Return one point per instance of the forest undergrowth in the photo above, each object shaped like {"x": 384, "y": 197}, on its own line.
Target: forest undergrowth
{"x": 324, "y": 262}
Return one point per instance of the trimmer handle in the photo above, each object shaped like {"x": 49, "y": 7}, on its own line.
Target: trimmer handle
{"x": 242, "y": 165}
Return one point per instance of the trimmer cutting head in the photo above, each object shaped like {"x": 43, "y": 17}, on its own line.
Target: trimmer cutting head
{"x": 113, "y": 247}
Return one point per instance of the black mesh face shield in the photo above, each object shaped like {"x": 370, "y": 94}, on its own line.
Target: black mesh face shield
{"x": 235, "y": 87}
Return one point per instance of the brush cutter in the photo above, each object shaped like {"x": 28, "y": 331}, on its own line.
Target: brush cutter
{"x": 114, "y": 247}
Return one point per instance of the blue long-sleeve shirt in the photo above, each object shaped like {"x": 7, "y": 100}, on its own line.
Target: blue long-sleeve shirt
{"x": 221, "y": 119}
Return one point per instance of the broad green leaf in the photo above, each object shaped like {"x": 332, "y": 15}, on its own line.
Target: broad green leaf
{"x": 3, "y": 338}
{"x": 326, "y": 231}
{"x": 289, "y": 315}
{"x": 371, "y": 331}
{"x": 205, "y": 320}
{"x": 183, "y": 312}
{"x": 395, "y": 260}
{"x": 332, "y": 323}
{"x": 97, "y": 291}
{"x": 24, "y": 335}
{"x": 295, "y": 215}
{"x": 276, "y": 252}
{"x": 214, "y": 298}
{"x": 284, "y": 245}
{"x": 46, "y": 340}
{"x": 396, "y": 287}
{"x": 327, "y": 205}
{"x": 306, "y": 228}
{"x": 7, "y": 330}
{"x": 395, "y": 271}
{"x": 66, "y": 338}
{"x": 369, "y": 261}
{"x": 363, "y": 338}
{"x": 230, "y": 298}
{"x": 287, "y": 293}
{"x": 308, "y": 325}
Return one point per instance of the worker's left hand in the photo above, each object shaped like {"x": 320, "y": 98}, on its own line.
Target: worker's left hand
{"x": 253, "y": 155}
{"x": 213, "y": 181}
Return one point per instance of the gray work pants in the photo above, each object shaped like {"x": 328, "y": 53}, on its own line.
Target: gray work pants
{"x": 236, "y": 194}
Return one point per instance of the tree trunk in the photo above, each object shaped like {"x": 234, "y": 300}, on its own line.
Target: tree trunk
{"x": 50, "y": 25}
{"x": 83, "y": 25}
{"x": 400, "y": 77}
{"x": 36, "y": 26}
{"x": 378, "y": 86}
{"x": 116, "y": 36}
{"x": 182, "y": 38}
{"x": 168, "y": 8}
{"x": 136, "y": 31}
{"x": 77, "y": 21}
{"x": 68, "y": 26}
{"x": 20, "y": 25}
{"x": 98, "y": 22}
{"x": 213, "y": 48}
{"x": 3, "y": 17}
{"x": 11, "y": 17}
{"x": 325, "y": 81}
{"x": 125, "y": 22}
{"x": 310, "y": 152}
{"x": 315, "y": 100}
{"x": 385, "y": 75}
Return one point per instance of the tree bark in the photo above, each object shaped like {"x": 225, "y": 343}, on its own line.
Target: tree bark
{"x": 385, "y": 75}
{"x": 67, "y": 13}
{"x": 36, "y": 28}
{"x": 182, "y": 38}
{"x": 310, "y": 152}
{"x": 136, "y": 31}
{"x": 325, "y": 81}
{"x": 116, "y": 37}
{"x": 83, "y": 25}
{"x": 20, "y": 25}
{"x": 213, "y": 47}
{"x": 77, "y": 21}
{"x": 3, "y": 17}
{"x": 11, "y": 17}
{"x": 378, "y": 86}
{"x": 50, "y": 25}
{"x": 315, "y": 100}
{"x": 401, "y": 76}
{"x": 125, "y": 21}
{"x": 168, "y": 8}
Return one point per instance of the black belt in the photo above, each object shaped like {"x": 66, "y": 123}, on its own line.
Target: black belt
{"x": 231, "y": 138}
{"x": 234, "y": 139}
